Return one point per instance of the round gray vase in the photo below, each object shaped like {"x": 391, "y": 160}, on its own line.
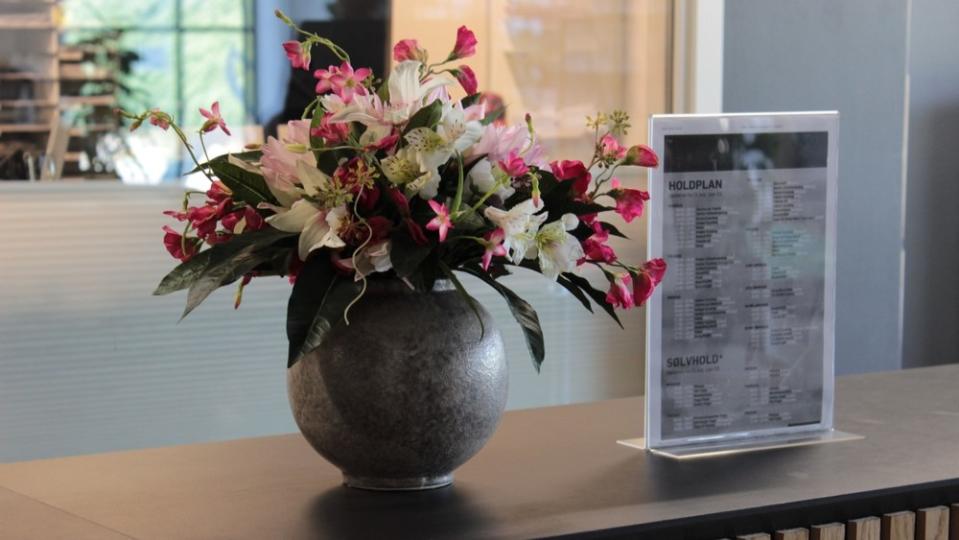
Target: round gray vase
{"x": 407, "y": 392}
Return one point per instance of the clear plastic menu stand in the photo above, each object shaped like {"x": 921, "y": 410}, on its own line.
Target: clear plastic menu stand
{"x": 740, "y": 333}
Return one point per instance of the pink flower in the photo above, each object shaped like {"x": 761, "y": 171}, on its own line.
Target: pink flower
{"x": 181, "y": 248}
{"x": 218, "y": 192}
{"x": 641, "y": 155}
{"x": 494, "y": 246}
{"x": 629, "y": 202}
{"x": 442, "y": 222}
{"x": 650, "y": 275}
{"x": 408, "y": 49}
{"x": 465, "y": 44}
{"x": 610, "y": 148}
{"x": 619, "y": 294}
{"x": 331, "y": 133}
{"x": 595, "y": 246}
{"x": 160, "y": 119}
{"x": 575, "y": 171}
{"x": 514, "y": 165}
{"x": 656, "y": 268}
{"x": 385, "y": 143}
{"x": 298, "y": 54}
{"x": 466, "y": 78}
{"x": 343, "y": 81}
{"x": 251, "y": 219}
{"x": 213, "y": 119}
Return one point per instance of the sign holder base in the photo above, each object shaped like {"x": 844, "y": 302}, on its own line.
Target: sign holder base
{"x": 727, "y": 446}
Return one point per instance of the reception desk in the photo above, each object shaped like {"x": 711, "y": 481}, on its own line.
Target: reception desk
{"x": 548, "y": 472}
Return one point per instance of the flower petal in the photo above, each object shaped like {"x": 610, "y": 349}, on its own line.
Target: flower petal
{"x": 296, "y": 218}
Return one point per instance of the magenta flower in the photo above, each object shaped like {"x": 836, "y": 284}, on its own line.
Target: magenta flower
{"x": 331, "y": 133}
{"x": 160, "y": 119}
{"x": 298, "y": 53}
{"x": 574, "y": 170}
{"x": 343, "y": 81}
{"x": 408, "y": 49}
{"x": 514, "y": 165}
{"x": 466, "y": 78}
{"x": 465, "y": 44}
{"x": 619, "y": 294}
{"x": 595, "y": 246}
{"x": 650, "y": 275}
{"x": 629, "y": 202}
{"x": 181, "y": 248}
{"x": 641, "y": 155}
{"x": 213, "y": 119}
{"x": 442, "y": 222}
{"x": 494, "y": 246}
{"x": 611, "y": 149}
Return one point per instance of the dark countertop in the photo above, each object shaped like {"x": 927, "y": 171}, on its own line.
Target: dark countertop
{"x": 546, "y": 472}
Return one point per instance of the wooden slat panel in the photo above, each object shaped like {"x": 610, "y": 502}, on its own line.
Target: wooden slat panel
{"x": 753, "y": 536}
{"x": 954, "y": 522}
{"x": 829, "y": 531}
{"x": 899, "y": 526}
{"x": 792, "y": 534}
{"x": 933, "y": 523}
{"x": 867, "y": 528}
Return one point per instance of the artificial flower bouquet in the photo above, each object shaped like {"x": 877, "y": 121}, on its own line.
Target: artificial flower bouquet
{"x": 394, "y": 179}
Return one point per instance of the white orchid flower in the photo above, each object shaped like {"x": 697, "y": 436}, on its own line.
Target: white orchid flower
{"x": 556, "y": 249}
{"x": 520, "y": 225}
{"x": 318, "y": 227}
{"x": 373, "y": 258}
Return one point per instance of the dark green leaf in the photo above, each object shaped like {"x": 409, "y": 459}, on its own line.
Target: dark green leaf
{"x": 474, "y": 305}
{"x": 250, "y": 157}
{"x": 470, "y": 100}
{"x": 246, "y": 186}
{"x": 575, "y": 291}
{"x": 405, "y": 254}
{"x": 312, "y": 284}
{"x": 428, "y": 117}
{"x": 330, "y": 313}
{"x": 613, "y": 230}
{"x": 185, "y": 274}
{"x": 597, "y": 295}
{"x": 224, "y": 263}
{"x": 524, "y": 314}
{"x": 493, "y": 115}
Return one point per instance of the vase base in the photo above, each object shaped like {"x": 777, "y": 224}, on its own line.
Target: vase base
{"x": 415, "y": 483}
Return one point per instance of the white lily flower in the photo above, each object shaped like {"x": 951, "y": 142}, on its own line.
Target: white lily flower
{"x": 520, "y": 225}
{"x": 318, "y": 227}
{"x": 404, "y": 169}
{"x": 406, "y": 97}
{"x": 453, "y": 134}
{"x": 483, "y": 178}
{"x": 556, "y": 249}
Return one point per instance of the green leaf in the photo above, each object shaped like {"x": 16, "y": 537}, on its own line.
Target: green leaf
{"x": 405, "y": 254}
{"x": 224, "y": 263}
{"x": 524, "y": 314}
{"x": 466, "y": 295}
{"x": 250, "y": 157}
{"x": 185, "y": 274}
{"x": 597, "y": 295}
{"x": 427, "y": 117}
{"x": 470, "y": 100}
{"x": 575, "y": 291}
{"x": 330, "y": 312}
{"x": 613, "y": 230}
{"x": 246, "y": 186}
{"x": 493, "y": 115}
{"x": 309, "y": 291}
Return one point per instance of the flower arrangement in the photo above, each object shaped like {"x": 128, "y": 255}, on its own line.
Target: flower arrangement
{"x": 394, "y": 179}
